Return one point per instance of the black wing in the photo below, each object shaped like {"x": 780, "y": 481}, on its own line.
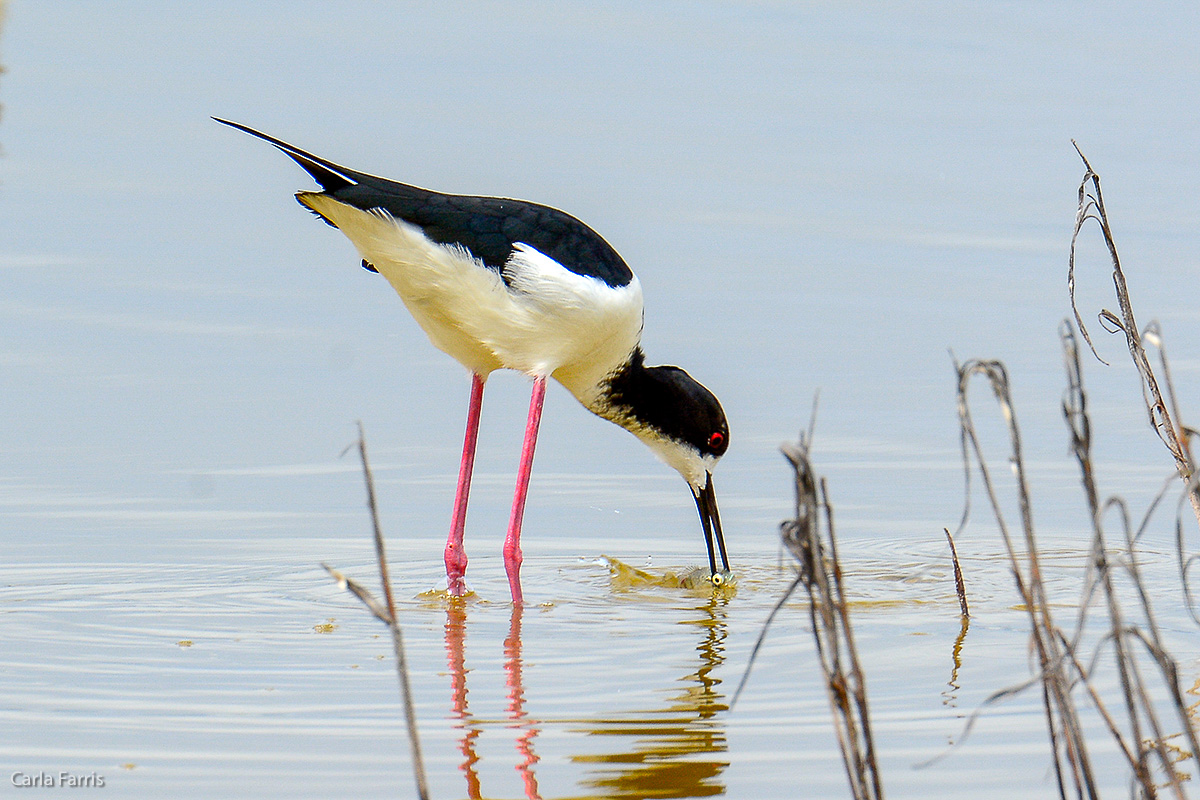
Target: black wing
{"x": 488, "y": 227}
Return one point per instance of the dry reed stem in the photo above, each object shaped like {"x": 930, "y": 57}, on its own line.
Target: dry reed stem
{"x": 1140, "y": 709}
{"x": 821, "y": 576}
{"x": 1142, "y": 739}
{"x": 1186, "y": 561}
{"x": 386, "y": 613}
{"x": 1172, "y": 434}
{"x": 1165, "y": 417}
{"x": 959, "y": 587}
{"x": 1072, "y": 764}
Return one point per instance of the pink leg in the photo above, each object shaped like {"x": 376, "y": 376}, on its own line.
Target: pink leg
{"x": 512, "y": 542}
{"x": 456, "y": 556}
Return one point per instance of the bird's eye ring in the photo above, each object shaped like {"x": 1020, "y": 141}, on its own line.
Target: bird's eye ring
{"x": 716, "y": 440}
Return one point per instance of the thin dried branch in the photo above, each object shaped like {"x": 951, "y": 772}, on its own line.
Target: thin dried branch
{"x": 821, "y": 575}
{"x": 1142, "y": 737}
{"x": 1075, "y": 413}
{"x": 1172, "y": 434}
{"x": 1165, "y": 417}
{"x": 1186, "y": 561}
{"x": 362, "y": 593}
{"x": 959, "y": 587}
{"x": 385, "y": 612}
{"x": 1069, "y": 747}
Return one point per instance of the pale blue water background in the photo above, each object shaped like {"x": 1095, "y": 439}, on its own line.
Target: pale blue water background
{"x": 815, "y": 196}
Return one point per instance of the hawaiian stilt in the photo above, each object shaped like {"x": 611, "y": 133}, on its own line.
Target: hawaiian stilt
{"x": 506, "y": 284}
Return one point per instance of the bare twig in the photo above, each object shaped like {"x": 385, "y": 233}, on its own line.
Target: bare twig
{"x": 1169, "y": 431}
{"x": 1140, "y": 710}
{"x": 1165, "y": 417}
{"x": 386, "y": 613}
{"x": 362, "y": 593}
{"x": 958, "y": 577}
{"x": 821, "y": 575}
{"x": 1186, "y": 561}
{"x": 1072, "y": 764}
{"x": 1141, "y": 738}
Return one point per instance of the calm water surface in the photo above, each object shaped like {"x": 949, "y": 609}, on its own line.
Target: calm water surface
{"x": 814, "y": 197}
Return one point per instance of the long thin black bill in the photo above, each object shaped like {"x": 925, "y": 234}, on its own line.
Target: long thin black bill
{"x": 710, "y": 520}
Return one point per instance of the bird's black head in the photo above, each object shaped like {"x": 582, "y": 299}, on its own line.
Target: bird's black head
{"x": 683, "y": 423}
{"x": 681, "y": 408}
{"x": 672, "y": 413}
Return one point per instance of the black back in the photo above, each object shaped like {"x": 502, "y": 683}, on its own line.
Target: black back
{"x": 488, "y": 227}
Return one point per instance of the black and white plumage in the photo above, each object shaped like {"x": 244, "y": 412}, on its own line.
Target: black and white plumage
{"x": 507, "y": 284}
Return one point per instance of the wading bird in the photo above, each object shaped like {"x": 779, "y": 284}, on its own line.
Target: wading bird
{"x": 506, "y": 284}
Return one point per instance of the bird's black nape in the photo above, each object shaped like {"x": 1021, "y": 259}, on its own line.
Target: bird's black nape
{"x": 671, "y": 402}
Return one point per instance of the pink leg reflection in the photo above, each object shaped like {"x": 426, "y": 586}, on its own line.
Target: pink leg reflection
{"x": 456, "y": 634}
{"x": 516, "y": 704}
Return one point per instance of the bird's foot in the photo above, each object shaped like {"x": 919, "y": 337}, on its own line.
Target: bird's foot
{"x": 512, "y": 565}
{"x": 456, "y": 570}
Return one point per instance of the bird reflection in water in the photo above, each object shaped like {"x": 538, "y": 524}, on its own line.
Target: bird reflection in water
{"x": 669, "y": 752}
{"x": 676, "y": 750}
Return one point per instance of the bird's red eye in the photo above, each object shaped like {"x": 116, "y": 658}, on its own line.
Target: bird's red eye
{"x": 716, "y": 440}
